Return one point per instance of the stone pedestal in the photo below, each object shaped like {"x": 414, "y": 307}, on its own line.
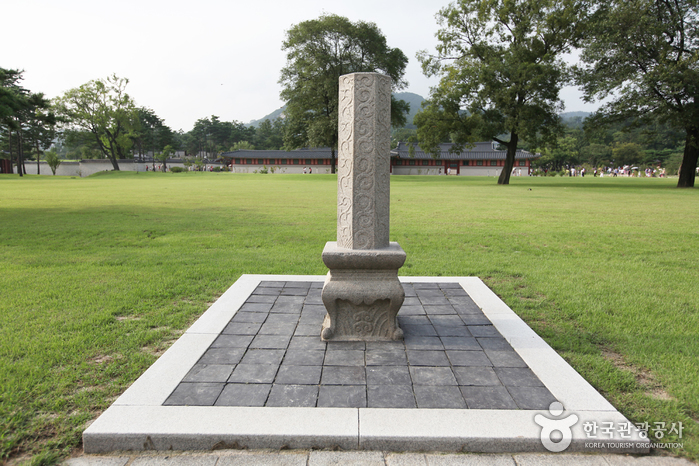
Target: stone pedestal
{"x": 362, "y": 293}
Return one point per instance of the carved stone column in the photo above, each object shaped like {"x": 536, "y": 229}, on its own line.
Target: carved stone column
{"x": 362, "y": 293}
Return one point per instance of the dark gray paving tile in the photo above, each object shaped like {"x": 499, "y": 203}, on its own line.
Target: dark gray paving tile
{"x": 505, "y": 358}
{"x": 300, "y": 284}
{"x": 444, "y": 320}
{"x": 314, "y": 298}
{"x": 253, "y": 373}
{"x": 308, "y": 330}
{"x": 298, "y": 375}
{"x": 468, "y": 358}
{"x": 390, "y": 396}
{"x": 531, "y": 397}
{"x": 418, "y": 330}
{"x": 227, "y": 356}
{"x": 255, "y": 317}
{"x": 413, "y": 320}
{"x": 242, "y": 328}
{"x": 290, "y": 300}
{"x": 485, "y": 331}
{"x": 255, "y": 307}
{"x": 282, "y": 319}
{"x": 302, "y": 396}
{"x": 286, "y": 329}
{"x": 271, "y": 284}
{"x": 232, "y": 341}
{"x": 386, "y": 357}
{"x": 411, "y": 301}
{"x": 260, "y": 298}
{"x": 388, "y": 375}
{"x": 461, "y": 343}
{"x": 304, "y": 357}
{"x": 194, "y": 394}
{"x": 450, "y": 285}
{"x": 455, "y": 331}
{"x": 464, "y": 301}
{"x": 314, "y": 309}
{"x": 498, "y": 344}
{"x": 307, "y": 343}
{"x": 443, "y": 309}
{"x": 411, "y": 310}
{"x": 236, "y": 394}
{"x": 475, "y": 319}
{"x": 430, "y": 293}
{"x": 263, "y": 356}
{"x": 209, "y": 373}
{"x": 427, "y": 358}
{"x": 385, "y": 346}
{"x": 294, "y": 292}
{"x": 422, "y": 343}
{"x": 476, "y": 375}
{"x": 343, "y": 375}
{"x": 518, "y": 377}
{"x": 346, "y": 345}
{"x": 271, "y": 291}
{"x": 338, "y": 357}
{"x": 434, "y": 301}
{"x": 426, "y": 286}
{"x": 408, "y": 289}
{"x": 270, "y": 342}
{"x": 443, "y": 397}
{"x": 488, "y": 398}
{"x": 432, "y": 376}
{"x": 312, "y": 319}
{"x": 342, "y": 396}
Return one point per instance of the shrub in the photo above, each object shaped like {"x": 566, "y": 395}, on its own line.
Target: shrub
{"x": 177, "y": 169}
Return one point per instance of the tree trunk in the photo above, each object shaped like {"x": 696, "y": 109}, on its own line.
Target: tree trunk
{"x": 38, "y": 157}
{"x": 20, "y": 154}
{"x": 688, "y": 168}
{"x": 115, "y": 164}
{"x": 332, "y": 160}
{"x": 509, "y": 159}
{"x": 10, "y": 142}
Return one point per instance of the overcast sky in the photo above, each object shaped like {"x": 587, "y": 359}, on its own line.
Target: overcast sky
{"x": 192, "y": 59}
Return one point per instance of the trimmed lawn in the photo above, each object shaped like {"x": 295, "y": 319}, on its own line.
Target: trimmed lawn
{"x": 98, "y": 276}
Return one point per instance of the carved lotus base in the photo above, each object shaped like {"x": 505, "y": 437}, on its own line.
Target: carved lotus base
{"x": 362, "y": 293}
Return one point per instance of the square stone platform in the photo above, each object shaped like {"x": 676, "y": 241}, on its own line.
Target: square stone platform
{"x": 252, "y": 372}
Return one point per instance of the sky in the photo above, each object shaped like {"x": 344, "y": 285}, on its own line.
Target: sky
{"x": 193, "y": 59}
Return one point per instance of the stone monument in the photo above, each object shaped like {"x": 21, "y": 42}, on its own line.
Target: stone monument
{"x": 362, "y": 293}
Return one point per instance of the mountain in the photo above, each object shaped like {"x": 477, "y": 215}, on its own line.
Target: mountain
{"x": 414, "y": 100}
{"x": 570, "y": 115}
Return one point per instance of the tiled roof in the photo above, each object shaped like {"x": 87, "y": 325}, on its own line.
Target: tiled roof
{"x": 316, "y": 153}
{"x": 481, "y": 150}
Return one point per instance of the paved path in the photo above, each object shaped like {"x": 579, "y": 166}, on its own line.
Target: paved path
{"x": 363, "y": 458}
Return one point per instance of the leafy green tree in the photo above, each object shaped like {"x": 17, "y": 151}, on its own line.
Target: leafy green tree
{"x": 644, "y": 56}
{"x": 501, "y": 70}
{"x": 52, "y": 160}
{"x": 103, "y": 108}
{"x": 168, "y": 151}
{"x": 318, "y": 52}
{"x": 242, "y": 145}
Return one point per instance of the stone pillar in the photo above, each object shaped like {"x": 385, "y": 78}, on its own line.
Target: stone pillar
{"x": 362, "y": 293}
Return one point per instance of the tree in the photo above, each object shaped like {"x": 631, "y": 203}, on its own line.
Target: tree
{"x": 52, "y": 160}
{"x": 103, "y": 108}
{"x": 319, "y": 51}
{"x": 501, "y": 71}
{"x": 167, "y": 152}
{"x": 644, "y": 56}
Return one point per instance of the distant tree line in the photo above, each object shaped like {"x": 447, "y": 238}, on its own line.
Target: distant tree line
{"x": 100, "y": 120}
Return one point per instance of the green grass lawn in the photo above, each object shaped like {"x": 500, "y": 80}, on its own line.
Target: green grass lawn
{"x": 98, "y": 276}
